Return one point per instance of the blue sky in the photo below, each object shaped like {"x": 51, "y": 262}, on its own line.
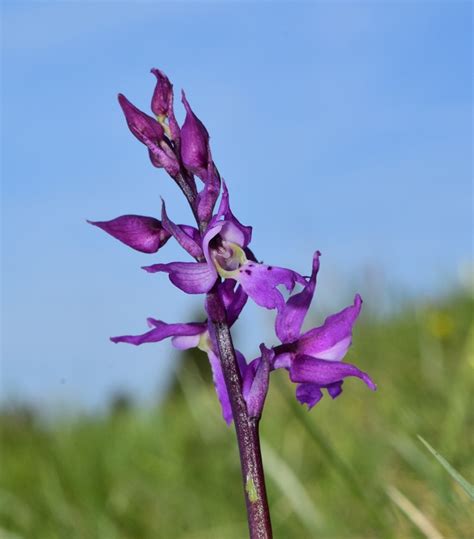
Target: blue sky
{"x": 339, "y": 126}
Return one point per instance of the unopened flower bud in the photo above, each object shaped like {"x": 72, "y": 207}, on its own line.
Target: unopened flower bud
{"x": 162, "y": 100}
{"x": 145, "y": 128}
{"x": 255, "y": 384}
{"x": 194, "y": 142}
{"x": 145, "y": 234}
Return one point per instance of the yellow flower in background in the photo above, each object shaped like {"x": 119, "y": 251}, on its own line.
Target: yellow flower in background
{"x": 439, "y": 323}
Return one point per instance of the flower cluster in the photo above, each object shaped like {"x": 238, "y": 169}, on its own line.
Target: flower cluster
{"x": 224, "y": 265}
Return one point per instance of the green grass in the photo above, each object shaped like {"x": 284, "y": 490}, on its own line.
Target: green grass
{"x": 464, "y": 483}
{"x": 351, "y": 468}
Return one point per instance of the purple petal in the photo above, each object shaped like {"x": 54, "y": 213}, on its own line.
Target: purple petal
{"x": 255, "y": 386}
{"x": 226, "y": 291}
{"x": 283, "y": 360}
{"x": 145, "y": 128}
{"x": 174, "y": 128}
{"x": 241, "y": 362}
{"x": 306, "y": 369}
{"x": 192, "y": 232}
{"x": 161, "y": 330}
{"x": 164, "y": 157}
{"x": 225, "y": 212}
{"x": 234, "y": 299}
{"x": 260, "y": 282}
{"x": 333, "y": 338}
{"x": 186, "y": 242}
{"x": 141, "y": 233}
{"x": 309, "y": 394}
{"x": 194, "y": 142}
{"x": 185, "y": 342}
{"x": 230, "y": 232}
{"x": 226, "y": 229}
{"x": 290, "y": 319}
{"x": 249, "y": 376}
{"x": 211, "y": 233}
{"x": 162, "y": 100}
{"x": 221, "y": 388}
{"x": 335, "y": 389}
{"x": 191, "y": 277}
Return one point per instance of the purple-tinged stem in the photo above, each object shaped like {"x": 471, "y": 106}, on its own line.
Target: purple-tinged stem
{"x": 246, "y": 428}
{"x": 188, "y": 190}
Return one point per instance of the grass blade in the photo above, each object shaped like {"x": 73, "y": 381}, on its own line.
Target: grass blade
{"x": 413, "y": 513}
{"x": 292, "y": 488}
{"x": 464, "y": 483}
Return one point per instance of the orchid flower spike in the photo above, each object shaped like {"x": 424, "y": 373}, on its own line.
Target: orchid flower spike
{"x": 225, "y": 268}
{"x": 222, "y": 266}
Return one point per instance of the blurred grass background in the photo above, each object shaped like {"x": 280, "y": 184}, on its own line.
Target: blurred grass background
{"x": 351, "y": 468}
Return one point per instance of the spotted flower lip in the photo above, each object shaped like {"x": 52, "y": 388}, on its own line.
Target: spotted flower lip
{"x": 223, "y": 246}
{"x": 314, "y": 358}
{"x": 145, "y": 234}
{"x": 259, "y": 281}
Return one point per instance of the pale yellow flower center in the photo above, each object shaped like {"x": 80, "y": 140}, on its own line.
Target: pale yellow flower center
{"x": 228, "y": 259}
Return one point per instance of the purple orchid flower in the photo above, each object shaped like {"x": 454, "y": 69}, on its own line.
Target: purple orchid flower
{"x": 314, "y": 358}
{"x": 225, "y": 248}
{"x": 185, "y": 337}
{"x": 198, "y": 335}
